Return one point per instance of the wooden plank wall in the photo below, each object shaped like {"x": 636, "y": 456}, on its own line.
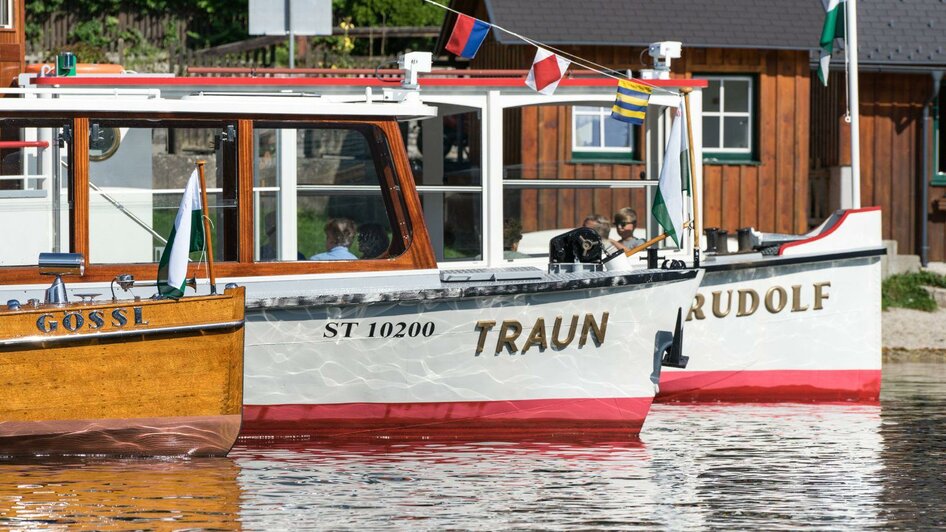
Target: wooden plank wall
{"x": 891, "y": 129}
{"x": 771, "y": 195}
{"x": 546, "y": 154}
{"x": 12, "y": 46}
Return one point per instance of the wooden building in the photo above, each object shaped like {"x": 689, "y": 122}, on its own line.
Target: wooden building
{"x": 776, "y": 143}
{"x": 12, "y": 40}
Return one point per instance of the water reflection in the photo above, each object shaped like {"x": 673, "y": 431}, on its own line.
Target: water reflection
{"x": 914, "y": 435}
{"x": 717, "y": 466}
{"x": 847, "y": 467}
{"x": 120, "y": 494}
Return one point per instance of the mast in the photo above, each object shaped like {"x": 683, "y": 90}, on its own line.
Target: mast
{"x": 853, "y": 103}
{"x": 205, "y": 216}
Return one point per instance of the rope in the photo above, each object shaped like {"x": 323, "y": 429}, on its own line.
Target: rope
{"x": 578, "y": 60}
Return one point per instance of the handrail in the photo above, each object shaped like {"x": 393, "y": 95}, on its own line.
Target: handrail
{"x": 128, "y": 213}
{"x": 53, "y": 91}
{"x": 23, "y": 144}
{"x": 22, "y": 177}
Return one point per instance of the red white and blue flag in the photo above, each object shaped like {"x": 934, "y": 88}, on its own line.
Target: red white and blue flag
{"x": 467, "y": 36}
{"x": 547, "y": 70}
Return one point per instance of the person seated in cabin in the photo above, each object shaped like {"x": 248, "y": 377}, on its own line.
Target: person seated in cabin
{"x": 339, "y": 234}
{"x": 373, "y": 241}
{"x": 512, "y": 234}
{"x": 602, "y": 226}
{"x": 625, "y": 221}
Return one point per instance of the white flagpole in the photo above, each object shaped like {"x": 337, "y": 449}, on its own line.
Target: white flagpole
{"x": 853, "y": 102}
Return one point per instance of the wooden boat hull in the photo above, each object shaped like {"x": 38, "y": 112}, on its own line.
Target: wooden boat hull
{"x": 147, "y": 377}
{"x": 471, "y": 364}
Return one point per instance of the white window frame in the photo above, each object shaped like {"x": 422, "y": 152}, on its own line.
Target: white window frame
{"x": 722, "y": 115}
{"x": 8, "y": 23}
{"x": 604, "y": 113}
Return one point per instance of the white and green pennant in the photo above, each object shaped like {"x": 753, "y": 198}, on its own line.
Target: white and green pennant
{"x": 172, "y": 270}
{"x": 833, "y": 29}
{"x": 674, "y": 179}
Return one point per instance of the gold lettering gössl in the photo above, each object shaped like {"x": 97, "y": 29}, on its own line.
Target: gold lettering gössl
{"x": 748, "y": 301}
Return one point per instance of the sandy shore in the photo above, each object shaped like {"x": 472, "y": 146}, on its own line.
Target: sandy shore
{"x": 911, "y": 334}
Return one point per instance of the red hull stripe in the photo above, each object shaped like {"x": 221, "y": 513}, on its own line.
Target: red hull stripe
{"x": 343, "y": 82}
{"x": 770, "y": 386}
{"x": 453, "y": 419}
{"x": 833, "y": 228}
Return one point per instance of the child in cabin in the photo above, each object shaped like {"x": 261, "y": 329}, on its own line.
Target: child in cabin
{"x": 625, "y": 221}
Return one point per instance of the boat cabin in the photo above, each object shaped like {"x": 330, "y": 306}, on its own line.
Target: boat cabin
{"x": 101, "y": 173}
{"x": 473, "y": 174}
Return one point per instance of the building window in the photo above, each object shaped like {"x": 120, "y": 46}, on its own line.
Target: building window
{"x": 6, "y": 13}
{"x": 729, "y": 117}
{"x": 595, "y": 135}
{"x": 939, "y": 141}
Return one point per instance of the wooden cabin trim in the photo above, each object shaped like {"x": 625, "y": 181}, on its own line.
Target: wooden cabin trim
{"x": 246, "y": 217}
{"x": 79, "y": 188}
{"x": 418, "y": 252}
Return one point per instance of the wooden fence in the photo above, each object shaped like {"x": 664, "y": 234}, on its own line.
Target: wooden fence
{"x": 158, "y": 30}
{"x": 168, "y": 33}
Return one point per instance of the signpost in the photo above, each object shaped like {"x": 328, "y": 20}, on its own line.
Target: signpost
{"x": 291, "y": 17}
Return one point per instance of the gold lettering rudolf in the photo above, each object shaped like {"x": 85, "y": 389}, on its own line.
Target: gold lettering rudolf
{"x": 770, "y": 299}
{"x": 748, "y": 301}
{"x": 820, "y": 295}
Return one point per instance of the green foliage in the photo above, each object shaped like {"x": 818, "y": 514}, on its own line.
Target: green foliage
{"x": 906, "y": 290}
{"x": 210, "y": 22}
{"x": 365, "y": 13}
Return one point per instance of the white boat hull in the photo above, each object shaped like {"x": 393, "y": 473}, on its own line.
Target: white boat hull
{"x": 804, "y": 325}
{"x": 440, "y": 368}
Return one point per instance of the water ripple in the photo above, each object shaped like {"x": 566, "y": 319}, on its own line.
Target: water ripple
{"x": 778, "y": 467}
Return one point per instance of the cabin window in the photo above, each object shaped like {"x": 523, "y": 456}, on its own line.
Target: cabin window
{"x": 35, "y": 157}
{"x": 728, "y": 117}
{"x": 6, "y": 13}
{"x": 326, "y": 192}
{"x": 595, "y": 135}
{"x": 445, "y": 159}
{"x": 546, "y": 192}
{"x": 137, "y": 174}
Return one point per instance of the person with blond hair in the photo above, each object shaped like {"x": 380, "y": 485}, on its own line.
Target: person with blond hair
{"x": 625, "y": 222}
{"x": 339, "y": 234}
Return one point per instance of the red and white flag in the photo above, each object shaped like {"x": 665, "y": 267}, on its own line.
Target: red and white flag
{"x": 547, "y": 70}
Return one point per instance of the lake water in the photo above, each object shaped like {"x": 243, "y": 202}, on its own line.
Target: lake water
{"x": 837, "y": 467}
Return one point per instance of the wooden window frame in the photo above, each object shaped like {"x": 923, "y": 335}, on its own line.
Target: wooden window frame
{"x": 418, "y": 255}
{"x": 939, "y": 158}
{"x": 10, "y": 24}
{"x": 601, "y": 153}
{"x": 737, "y": 155}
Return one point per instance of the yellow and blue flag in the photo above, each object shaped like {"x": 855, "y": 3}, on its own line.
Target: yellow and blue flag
{"x": 630, "y": 103}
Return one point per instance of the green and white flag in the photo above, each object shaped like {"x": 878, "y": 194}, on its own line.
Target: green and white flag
{"x": 172, "y": 270}
{"x": 833, "y": 29}
{"x": 668, "y": 202}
